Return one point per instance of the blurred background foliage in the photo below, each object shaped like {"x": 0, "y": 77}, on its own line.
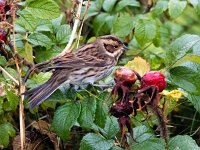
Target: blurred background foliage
{"x": 165, "y": 33}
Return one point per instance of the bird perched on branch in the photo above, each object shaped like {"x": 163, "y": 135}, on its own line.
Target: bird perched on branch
{"x": 88, "y": 64}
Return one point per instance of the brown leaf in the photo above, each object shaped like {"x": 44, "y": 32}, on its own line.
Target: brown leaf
{"x": 44, "y": 128}
{"x": 30, "y": 143}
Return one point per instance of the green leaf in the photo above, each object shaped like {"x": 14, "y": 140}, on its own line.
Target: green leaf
{"x": 98, "y": 22}
{"x": 92, "y": 10}
{"x": 27, "y": 21}
{"x": 194, "y": 99}
{"x": 65, "y": 117}
{"x": 2, "y": 60}
{"x": 56, "y": 23}
{"x": 116, "y": 148}
{"x": 46, "y": 26}
{"x": 142, "y": 133}
{"x": 93, "y": 141}
{"x": 12, "y": 101}
{"x": 63, "y": 34}
{"x": 160, "y": 7}
{"x": 176, "y": 7}
{"x": 27, "y": 53}
{"x": 39, "y": 39}
{"x": 12, "y": 72}
{"x": 88, "y": 108}
{"x": 187, "y": 77}
{"x": 43, "y": 54}
{"x": 108, "y": 5}
{"x": 6, "y": 131}
{"x": 196, "y": 5}
{"x": 151, "y": 144}
{"x": 99, "y": 4}
{"x": 19, "y": 28}
{"x": 38, "y": 79}
{"x": 57, "y": 96}
{"x": 186, "y": 44}
{"x": 45, "y": 9}
{"x": 101, "y": 113}
{"x": 163, "y": 37}
{"x": 123, "y": 3}
{"x": 145, "y": 31}
{"x": 183, "y": 142}
{"x": 123, "y": 25}
{"x": 111, "y": 127}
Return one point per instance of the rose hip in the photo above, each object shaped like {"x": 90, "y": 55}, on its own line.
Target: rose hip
{"x": 3, "y": 35}
{"x": 154, "y": 78}
{"x": 125, "y": 75}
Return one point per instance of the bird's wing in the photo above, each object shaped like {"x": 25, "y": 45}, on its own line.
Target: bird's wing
{"x": 72, "y": 61}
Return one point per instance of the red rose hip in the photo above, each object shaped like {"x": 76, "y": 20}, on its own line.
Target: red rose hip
{"x": 154, "y": 78}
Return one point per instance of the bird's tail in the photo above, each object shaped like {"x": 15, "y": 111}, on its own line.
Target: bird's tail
{"x": 37, "y": 95}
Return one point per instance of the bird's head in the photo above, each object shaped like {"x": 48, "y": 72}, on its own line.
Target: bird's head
{"x": 113, "y": 46}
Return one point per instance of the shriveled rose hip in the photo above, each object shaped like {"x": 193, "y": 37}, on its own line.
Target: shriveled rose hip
{"x": 125, "y": 75}
{"x": 2, "y": 5}
{"x": 119, "y": 109}
{"x": 154, "y": 78}
{"x": 3, "y": 35}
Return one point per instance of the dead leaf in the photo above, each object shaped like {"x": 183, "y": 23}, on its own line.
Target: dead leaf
{"x": 44, "y": 128}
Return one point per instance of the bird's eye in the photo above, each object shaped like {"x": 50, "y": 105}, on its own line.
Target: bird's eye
{"x": 116, "y": 46}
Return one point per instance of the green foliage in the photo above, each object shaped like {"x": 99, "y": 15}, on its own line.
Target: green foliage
{"x": 176, "y": 7}
{"x": 6, "y": 131}
{"x": 183, "y": 142}
{"x": 65, "y": 117}
{"x": 93, "y": 141}
{"x": 123, "y": 20}
{"x": 166, "y": 36}
{"x": 46, "y": 9}
{"x": 150, "y": 144}
{"x": 88, "y": 108}
{"x": 145, "y": 31}
{"x": 111, "y": 128}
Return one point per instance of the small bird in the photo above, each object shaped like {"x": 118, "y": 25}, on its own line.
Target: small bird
{"x": 88, "y": 64}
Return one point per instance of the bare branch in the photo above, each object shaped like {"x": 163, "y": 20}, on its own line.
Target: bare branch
{"x": 11, "y": 77}
{"x": 82, "y": 21}
{"x": 72, "y": 37}
{"x": 21, "y": 88}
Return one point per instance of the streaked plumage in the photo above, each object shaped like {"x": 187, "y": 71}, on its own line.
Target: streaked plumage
{"x": 88, "y": 64}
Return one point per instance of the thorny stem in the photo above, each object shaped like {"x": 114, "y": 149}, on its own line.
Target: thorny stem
{"x": 163, "y": 126}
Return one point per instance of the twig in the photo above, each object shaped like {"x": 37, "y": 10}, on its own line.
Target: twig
{"x": 21, "y": 90}
{"x": 195, "y": 131}
{"x": 76, "y": 22}
{"x": 11, "y": 77}
{"x": 82, "y": 21}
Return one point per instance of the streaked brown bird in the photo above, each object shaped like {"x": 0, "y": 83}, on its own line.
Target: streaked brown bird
{"x": 88, "y": 64}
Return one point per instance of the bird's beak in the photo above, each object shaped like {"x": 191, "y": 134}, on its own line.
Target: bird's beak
{"x": 125, "y": 47}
